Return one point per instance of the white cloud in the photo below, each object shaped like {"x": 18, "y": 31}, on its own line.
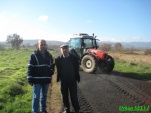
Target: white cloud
{"x": 89, "y": 21}
{"x": 149, "y": 40}
{"x": 112, "y": 39}
{"x": 11, "y": 24}
{"x": 136, "y": 38}
{"x": 43, "y": 18}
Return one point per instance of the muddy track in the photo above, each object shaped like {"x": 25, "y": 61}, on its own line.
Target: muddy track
{"x": 130, "y": 90}
{"x": 84, "y": 105}
{"x": 100, "y": 93}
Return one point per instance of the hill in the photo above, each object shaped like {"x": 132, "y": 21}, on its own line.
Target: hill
{"x": 32, "y": 42}
{"x": 139, "y": 45}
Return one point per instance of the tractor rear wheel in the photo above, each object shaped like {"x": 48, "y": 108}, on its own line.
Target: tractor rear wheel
{"x": 107, "y": 65}
{"x": 89, "y": 64}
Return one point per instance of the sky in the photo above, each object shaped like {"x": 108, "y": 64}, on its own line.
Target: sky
{"x": 109, "y": 20}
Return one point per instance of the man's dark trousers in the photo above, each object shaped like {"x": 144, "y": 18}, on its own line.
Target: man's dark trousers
{"x": 66, "y": 88}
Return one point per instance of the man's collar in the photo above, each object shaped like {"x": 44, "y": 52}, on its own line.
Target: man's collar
{"x": 41, "y": 52}
{"x": 64, "y": 56}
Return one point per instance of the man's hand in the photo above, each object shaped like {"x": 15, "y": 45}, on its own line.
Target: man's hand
{"x": 52, "y": 66}
{"x": 58, "y": 80}
{"x": 78, "y": 80}
{"x": 31, "y": 84}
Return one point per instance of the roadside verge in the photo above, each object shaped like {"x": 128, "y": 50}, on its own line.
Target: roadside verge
{"x": 54, "y": 102}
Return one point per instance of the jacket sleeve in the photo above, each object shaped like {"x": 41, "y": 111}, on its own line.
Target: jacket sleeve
{"x": 52, "y": 65}
{"x": 57, "y": 66}
{"x": 77, "y": 69}
{"x": 30, "y": 72}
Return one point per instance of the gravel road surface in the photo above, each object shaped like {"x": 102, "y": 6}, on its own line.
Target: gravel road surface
{"x": 102, "y": 93}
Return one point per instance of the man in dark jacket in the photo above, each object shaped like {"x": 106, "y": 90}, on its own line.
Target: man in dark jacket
{"x": 68, "y": 73}
{"x": 40, "y": 70}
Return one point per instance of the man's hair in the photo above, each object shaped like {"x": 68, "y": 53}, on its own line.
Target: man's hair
{"x": 40, "y": 40}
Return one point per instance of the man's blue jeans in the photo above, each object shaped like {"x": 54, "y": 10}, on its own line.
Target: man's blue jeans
{"x": 39, "y": 93}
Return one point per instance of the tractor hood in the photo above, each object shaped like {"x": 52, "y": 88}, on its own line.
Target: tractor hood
{"x": 99, "y": 54}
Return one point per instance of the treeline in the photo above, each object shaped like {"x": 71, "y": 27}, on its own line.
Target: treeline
{"x": 119, "y": 48}
{"x": 16, "y": 42}
{"x": 49, "y": 47}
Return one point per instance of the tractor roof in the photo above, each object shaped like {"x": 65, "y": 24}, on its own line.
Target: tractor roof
{"x": 82, "y": 35}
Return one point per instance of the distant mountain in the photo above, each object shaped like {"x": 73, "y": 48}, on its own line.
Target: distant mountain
{"x": 32, "y": 42}
{"x": 2, "y": 43}
{"x": 55, "y": 43}
{"x": 139, "y": 45}
{"x": 143, "y": 45}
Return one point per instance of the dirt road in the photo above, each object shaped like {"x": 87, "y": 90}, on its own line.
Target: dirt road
{"x": 101, "y": 93}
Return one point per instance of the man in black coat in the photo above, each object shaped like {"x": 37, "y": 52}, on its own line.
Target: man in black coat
{"x": 68, "y": 73}
{"x": 40, "y": 71}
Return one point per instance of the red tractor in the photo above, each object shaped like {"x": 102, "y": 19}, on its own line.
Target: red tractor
{"x": 85, "y": 48}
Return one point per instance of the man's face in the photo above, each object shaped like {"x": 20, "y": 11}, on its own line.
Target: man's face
{"x": 42, "y": 45}
{"x": 65, "y": 51}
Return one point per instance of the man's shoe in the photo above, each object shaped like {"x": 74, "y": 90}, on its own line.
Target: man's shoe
{"x": 77, "y": 111}
{"x": 44, "y": 111}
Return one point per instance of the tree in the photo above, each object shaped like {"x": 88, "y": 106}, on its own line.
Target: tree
{"x": 15, "y": 40}
{"x": 105, "y": 47}
{"x": 118, "y": 47}
{"x": 147, "y": 51}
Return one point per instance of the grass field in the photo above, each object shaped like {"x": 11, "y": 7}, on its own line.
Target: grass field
{"x": 16, "y": 94}
{"x": 133, "y": 65}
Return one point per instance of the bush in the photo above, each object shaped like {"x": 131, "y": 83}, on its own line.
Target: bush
{"x": 118, "y": 47}
{"x": 2, "y": 100}
{"x": 147, "y": 51}
{"x": 21, "y": 105}
{"x": 2, "y": 48}
{"x": 105, "y": 47}
{"x": 13, "y": 89}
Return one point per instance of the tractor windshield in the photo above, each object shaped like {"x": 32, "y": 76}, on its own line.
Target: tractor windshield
{"x": 89, "y": 43}
{"x": 75, "y": 43}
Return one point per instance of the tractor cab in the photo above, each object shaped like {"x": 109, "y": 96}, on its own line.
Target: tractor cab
{"x": 79, "y": 44}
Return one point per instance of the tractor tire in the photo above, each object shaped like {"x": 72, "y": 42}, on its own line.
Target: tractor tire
{"x": 89, "y": 64}
{"x": 107, "y": 65}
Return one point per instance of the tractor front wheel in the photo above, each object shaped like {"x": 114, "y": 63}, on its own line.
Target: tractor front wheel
{"x": 89, "y": 64}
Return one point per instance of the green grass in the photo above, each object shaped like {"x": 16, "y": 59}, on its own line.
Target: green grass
{"x": 15, "y": 92}
{"x": 136, "y": 70}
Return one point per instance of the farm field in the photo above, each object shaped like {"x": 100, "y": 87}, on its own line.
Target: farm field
{"x": 15, "y": 93}
{"x": 133, "y": 65}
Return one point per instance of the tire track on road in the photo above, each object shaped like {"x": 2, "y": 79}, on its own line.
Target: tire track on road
{"x": 128, "y": 88}
{"x": 105, "y": 93}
